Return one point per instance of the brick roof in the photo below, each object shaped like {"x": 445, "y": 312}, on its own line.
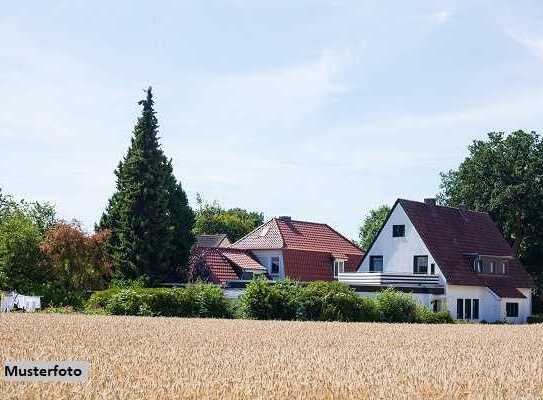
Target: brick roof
{"x": 282, "y": 233}
{"x": 507, "y": 292}
{"x": 452, "y": 234}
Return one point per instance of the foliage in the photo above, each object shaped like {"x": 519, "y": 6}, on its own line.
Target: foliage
{"x": 78, "y": 261}
{"x": 425, "y": 316}
{"x": 333, "y": 301}
{"x": 535, "y": 319}
{"x": 21, "y": 266}
{"x": 149, "y": 217}
{"x": 396, "y": 306}
{"x": 234, "y": 222}
{"x": 504, "y": 177}
{"x": 371, "y": 225}
{"x": 265, "y": 300}
{"x": 200, "y": 300}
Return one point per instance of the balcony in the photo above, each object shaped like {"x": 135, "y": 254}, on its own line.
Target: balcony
{"x": 378, "y": 280}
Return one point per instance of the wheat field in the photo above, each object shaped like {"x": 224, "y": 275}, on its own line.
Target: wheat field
{"x": 172, "y": 358}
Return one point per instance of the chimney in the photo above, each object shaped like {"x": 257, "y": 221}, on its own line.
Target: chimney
{"x": 285, "y": 218}
{"x": 430, "y": 202}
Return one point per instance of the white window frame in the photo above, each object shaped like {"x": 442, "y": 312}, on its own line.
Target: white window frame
{"x": 339, "y": 267}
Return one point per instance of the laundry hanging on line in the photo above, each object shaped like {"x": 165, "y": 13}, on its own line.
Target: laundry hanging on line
{"x": 13, "y": 299}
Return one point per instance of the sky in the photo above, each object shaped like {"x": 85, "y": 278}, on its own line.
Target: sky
{"x": 320, "y": 110}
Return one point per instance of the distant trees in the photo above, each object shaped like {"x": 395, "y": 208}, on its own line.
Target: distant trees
{"x": 43, "y": 256}
{"x": 234, "y": 222}
{"x": 148, "y": 216}
{"x": 371, "y": 225}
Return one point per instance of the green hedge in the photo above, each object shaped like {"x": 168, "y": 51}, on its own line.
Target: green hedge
{"x": 331, "y": 301}
{"x": 200, "y": 300}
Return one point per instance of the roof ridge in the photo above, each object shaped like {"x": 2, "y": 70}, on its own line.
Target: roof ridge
{"x": 443, "y": 206}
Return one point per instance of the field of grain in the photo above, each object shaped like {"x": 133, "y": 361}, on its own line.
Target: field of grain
{"x": 170, "y": 358}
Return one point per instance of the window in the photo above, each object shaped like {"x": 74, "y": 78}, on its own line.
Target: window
{"x": 376, "y": 263}
{"x": 475, "y": 309}
{"x": 511, "y": 310}
{"x": 420, "y": 265}
{"x": 489, "y": 265}
{"x": 460, "y": 309}
{"x": 339, "y": 267}
{"x": 274, "y": 265}
{"x": 398, "y": 230}
{"x": 432, "y": 268}
{"x": 467, "y": 309}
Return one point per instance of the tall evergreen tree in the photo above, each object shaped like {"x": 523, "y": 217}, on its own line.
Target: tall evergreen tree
{"x": 149, "y": 216}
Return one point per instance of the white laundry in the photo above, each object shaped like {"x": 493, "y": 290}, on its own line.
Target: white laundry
{"x": 27, "y": 303}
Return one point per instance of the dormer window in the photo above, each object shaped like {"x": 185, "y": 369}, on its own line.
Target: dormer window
{"x": 489, "y": 265}
{"x": 339, "y": 267}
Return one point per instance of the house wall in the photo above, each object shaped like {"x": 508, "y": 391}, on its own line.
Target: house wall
{"x": 265, "y": 256}
{"x": 524, "y": 309}
{"x": 398, "y": 253}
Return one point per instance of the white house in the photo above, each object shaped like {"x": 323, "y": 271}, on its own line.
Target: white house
{"x": 450, "y": 259}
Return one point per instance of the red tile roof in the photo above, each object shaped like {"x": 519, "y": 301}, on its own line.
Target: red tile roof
{"x": 220, "y": 265}
{"x": 280, "y": 233}
{"x": 313, "y": 265}
{"x": 450, "y": 234}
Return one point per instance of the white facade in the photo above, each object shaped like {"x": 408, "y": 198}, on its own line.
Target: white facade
{"x": 265, "y": 258}
{"x": 398, "y": 252}
{"x": 398, "y": 257}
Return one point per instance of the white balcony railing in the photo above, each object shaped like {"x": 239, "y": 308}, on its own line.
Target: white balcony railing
{"x": 388, "y": 279}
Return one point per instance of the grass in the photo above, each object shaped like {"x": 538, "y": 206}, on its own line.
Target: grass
{"x": 171, "y": 358}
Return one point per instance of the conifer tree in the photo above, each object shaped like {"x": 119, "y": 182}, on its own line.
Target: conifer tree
{"x": 149, "y": 216}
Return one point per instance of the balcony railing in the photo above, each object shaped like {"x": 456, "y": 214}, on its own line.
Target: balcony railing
{"x": 388, "y": 279}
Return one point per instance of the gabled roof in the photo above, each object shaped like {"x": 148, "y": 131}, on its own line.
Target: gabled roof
{"x": 220, "y": 240}
{"x": 223, "y": 264}
{"x": 450, "y": 234}
{"x": 284, "y": 233}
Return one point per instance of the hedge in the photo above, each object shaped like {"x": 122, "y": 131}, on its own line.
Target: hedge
{"x": 331, "y": 301}
{"x": 200, "y": 300}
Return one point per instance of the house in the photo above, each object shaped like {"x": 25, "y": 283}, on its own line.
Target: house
{"x": 220, "y": 240}
{"x": 450, "y": 259}
{"x": 282, "y": 248}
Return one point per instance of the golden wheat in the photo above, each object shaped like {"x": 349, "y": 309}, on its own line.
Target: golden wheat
{"x": 172, "y": 358}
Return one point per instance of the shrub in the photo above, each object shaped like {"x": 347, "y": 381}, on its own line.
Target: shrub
{"x": 394, "y": 306}
{"x": 101, "y": 298}
{"x": 265, "y": 300}
{"x": 200, "y": 300}
{"x": 426, "y": 316}
{"x": 209, "y": 301}
{"x": 333, "y": 301}
{"x": 535, "y": 319}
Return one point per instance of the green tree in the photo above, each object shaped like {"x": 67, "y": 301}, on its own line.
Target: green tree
{"x": 371, "y": 224}
{"x": 148, "y": 216}
{"x": 234, "y": 222}
{"x": 503, "y": 176}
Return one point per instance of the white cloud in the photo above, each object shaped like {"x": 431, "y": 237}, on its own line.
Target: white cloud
{"x": 280, "y": 95}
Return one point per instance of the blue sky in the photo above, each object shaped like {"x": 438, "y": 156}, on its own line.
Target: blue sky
{"x": 316, "y": 109}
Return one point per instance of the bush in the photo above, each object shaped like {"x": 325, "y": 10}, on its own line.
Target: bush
{"x": 200, "y": 300}
{"x": 394, "y": 306}
{"x": 426, "y": 316}
{"x": 265, "y": 300}
{"x": 333, "y": 301}
{"x": 209, "y": 301}
{"x": 535, "y": 319}
{"x": 101, "y": 298}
